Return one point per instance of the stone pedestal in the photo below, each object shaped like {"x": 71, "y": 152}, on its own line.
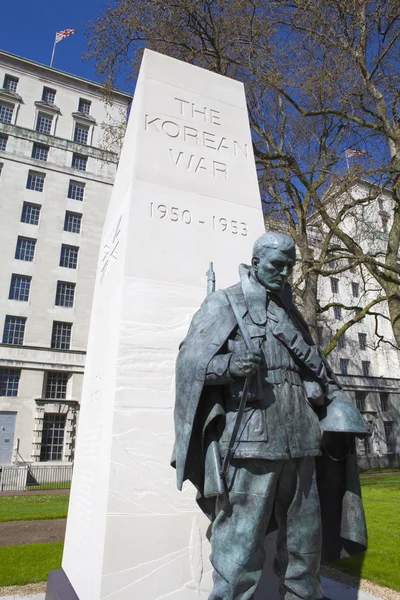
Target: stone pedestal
{"x": 186, "y": 193}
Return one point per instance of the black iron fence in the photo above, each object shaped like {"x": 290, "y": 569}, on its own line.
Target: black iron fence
{"x": 35, "y": 477}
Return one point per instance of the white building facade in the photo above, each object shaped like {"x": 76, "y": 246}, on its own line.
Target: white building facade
{"x": 366, "y": 359}
{"x": 55, "y": 184}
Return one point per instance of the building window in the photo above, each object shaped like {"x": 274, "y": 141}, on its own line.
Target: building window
{"x": 69, "y": 256}
{"x": 334, "y": 285}
{"x": 72, "y": 222}
{"x": 352, "y": 267}
{"x": 344, "y": 366}
{"x": 81, "y": 135}
{"x": 43, "y": 123}
{"x": 14, "y": 329}
{"x": 341, "y": 343}
{"x": 79, "y": 162}
{"x": 61, "y": 335}
{"x": 52, "y": 437}
{"x": 9, "y": 380}
{"x": 35, "y": 181}
{"x": 40, "y": 152}
{"x": 20, "y": 287}
{"x": 360, "y": 401}
{"x": 367, "y": 446}
{"x": 380, "y": 204}
{"x": 30, "y": 213}
{"x": 320, "y": 335}
{"x": 3, "y": 142}
{"x": 48, "y": 95}
{"x": 10, "y": 83}
{"x": 362, "y": 341}
{"x": 355, "y": 289}
{"x": 76, "y": 190}
{"x": 366, "y": 368}
{"x": 84, "y": 106}
{"x": 385, "y": 223}
{"x": 56, "y": 385}
{"x": 358, "y": 310}
{"x": 337, "y": 311}
{"x": 384, "y": 400}
{"x": 389, "y": 435}
{"x": 6, "y": 112}
{"x": 25, "y": 249}
{"x": 65, "y": 294}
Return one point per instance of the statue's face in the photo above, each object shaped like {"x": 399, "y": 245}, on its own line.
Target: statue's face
{"x": 274, "y": 268}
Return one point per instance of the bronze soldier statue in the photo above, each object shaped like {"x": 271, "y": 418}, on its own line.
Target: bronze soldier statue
{"x": 256, "y": 404}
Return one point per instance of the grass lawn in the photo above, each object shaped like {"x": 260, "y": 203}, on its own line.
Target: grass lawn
{"x": 28, "y": 564}
{"x": 381, "y": 563}
{"x": 35, "y": 507}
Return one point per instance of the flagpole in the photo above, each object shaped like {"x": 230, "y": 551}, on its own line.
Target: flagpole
{"x": 54, "y": 49}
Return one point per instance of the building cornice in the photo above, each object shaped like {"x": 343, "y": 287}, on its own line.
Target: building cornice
{"x": 42, "y": 358}
{"x": 8, "y": 96}
{"x": 53, "y": 75}
{"x": 331, "y": 194}
{"x": 84, "y": 118}
{"x": 370, "y": 383}
{"x": 47, "y": 107}
{"x": 48, "y": 166}
{"x": 56, "y": 142}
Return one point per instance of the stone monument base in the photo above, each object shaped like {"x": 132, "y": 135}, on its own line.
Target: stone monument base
{"x": 59, "y": 587}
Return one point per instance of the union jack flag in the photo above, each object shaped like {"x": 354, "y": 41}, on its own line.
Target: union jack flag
{"x": 355, "y": 152}
{"x": 60, "y": 35}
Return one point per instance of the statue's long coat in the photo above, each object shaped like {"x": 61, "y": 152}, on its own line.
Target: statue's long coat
{"x": 343, "y": 521}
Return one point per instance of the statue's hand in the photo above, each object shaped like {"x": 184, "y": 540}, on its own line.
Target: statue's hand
{"x": 244, "y": 363}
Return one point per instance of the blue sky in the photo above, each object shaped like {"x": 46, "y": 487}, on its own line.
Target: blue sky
{"x": 29, "y": 28}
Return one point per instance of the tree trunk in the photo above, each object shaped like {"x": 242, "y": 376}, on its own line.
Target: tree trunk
{"x": 393, "y": 292}
{"x": 310, "y": 302}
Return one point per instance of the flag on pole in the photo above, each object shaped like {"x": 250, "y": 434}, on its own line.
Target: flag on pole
{"x": 60, "y": 35}
{"x": 355, "y": 152}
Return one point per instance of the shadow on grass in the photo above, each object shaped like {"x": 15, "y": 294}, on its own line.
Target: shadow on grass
{"x": 343, "y": 525}
{"x": 380, "y": 563}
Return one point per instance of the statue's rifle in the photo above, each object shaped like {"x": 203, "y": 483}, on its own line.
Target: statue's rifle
{"x": 217, "y": 472}
{"x": 215, "y": 480}
{"x": 210, "y": 280}
{"x": 246, "y": 388}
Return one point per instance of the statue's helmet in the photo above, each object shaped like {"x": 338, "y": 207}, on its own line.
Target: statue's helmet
{"x": 341, "y": 416}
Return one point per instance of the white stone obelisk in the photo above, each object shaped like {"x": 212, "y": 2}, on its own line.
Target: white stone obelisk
{"x": 185, "y": 194}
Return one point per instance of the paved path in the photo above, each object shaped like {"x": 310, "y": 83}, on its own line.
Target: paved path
{"x": 34, "y": 597}
{"x": 339, "y": 591}
{"x": 34, "y": 492}
{"x": 32, "y": 532}
{"x": 335, "y": 591}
